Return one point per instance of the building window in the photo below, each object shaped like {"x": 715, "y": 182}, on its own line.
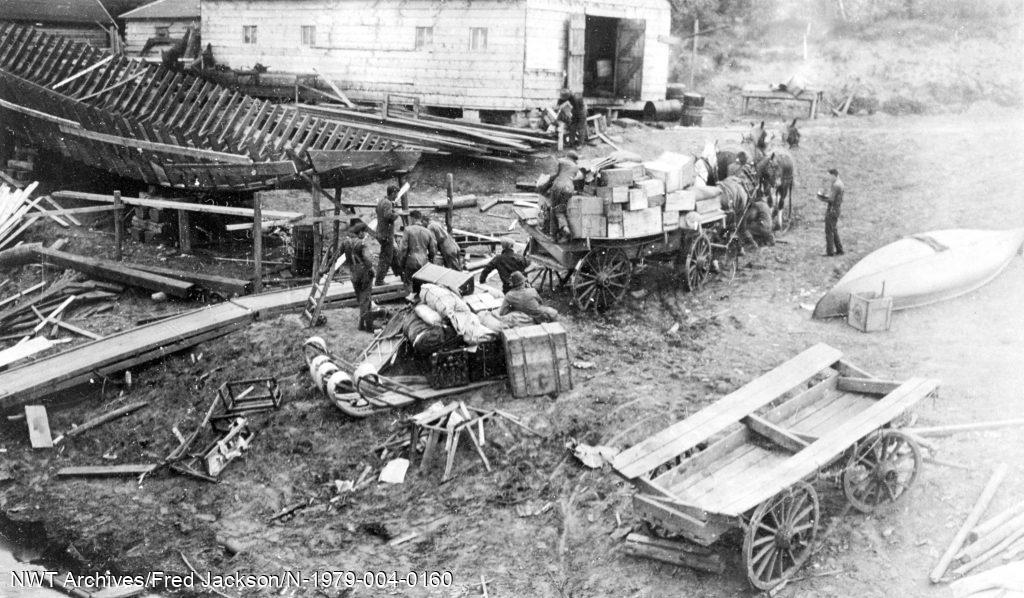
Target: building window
{"x": 424, "y": 38}
{"x": 308, "y": 35}
{"x": 478, "y": 38}
{"x": 249, "y": 34}
{"x": 163, "y": 32}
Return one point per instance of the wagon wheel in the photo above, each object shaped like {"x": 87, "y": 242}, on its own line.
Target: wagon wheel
{"x": 697, "y": 261}
{"x": 780, "y": 535}
{"x": 729, "y": 265}
{"x": 881, "y": 470}
{"x": 601, "y": 279}
{"x": 543, "y": 278}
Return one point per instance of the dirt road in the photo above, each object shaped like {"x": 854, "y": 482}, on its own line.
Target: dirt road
{"x": 903, "y": 176}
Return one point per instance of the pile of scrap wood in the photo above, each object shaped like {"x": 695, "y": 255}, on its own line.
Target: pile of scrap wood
{"x": 15, "y": 206}
{"x": 444, "y": 135}
{"x": 36, "y": 310}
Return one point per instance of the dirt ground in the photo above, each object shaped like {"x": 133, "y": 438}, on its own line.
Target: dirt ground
{"x": 903, "y": 175}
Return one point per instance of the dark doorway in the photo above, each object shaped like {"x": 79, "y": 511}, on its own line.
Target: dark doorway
{"x": 613, "y": 58}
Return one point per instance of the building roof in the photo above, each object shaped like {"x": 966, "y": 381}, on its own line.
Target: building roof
{"x": 62, "y": 11}
{"x": 165, "y": 9}
{"x": 65, "y": 11}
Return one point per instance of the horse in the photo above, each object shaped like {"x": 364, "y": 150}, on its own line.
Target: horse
{"x": 792, "y": 135}
{"x": 784, "y": 185}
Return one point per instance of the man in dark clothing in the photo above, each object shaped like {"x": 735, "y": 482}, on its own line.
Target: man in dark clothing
{"x": 506, "y": 263}
{"x": 757, "y": 224}
{"x": 576, "y": 125}
{"x": 362, "y": 253}
{"x": 446, "y": 245}
{"x": 386, "y": 232}
{"x": 420, "y": 248}
{"x": 560, "y": 189}
{"x": 792, "y": 135}
{"x": 524, "y": 299}
{"x": 834, "y": 199}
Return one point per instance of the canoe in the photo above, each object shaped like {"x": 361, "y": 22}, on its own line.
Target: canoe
{"x": 926, "y": 268}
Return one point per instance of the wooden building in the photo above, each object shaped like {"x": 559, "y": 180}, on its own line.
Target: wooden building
{"x": 493, "y": 55}
{"x": 152, "y": 27}
{"x": 86, "y": 21}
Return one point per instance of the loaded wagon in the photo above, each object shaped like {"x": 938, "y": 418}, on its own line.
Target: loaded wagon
{"x": 748, "y": 460}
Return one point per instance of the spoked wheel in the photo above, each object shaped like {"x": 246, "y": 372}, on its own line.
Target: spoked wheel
{"x": 697, "y": 261}
{"x": 545, "y": 279}
{"x": 780, "y": 535}
{"x": 729, "y": 265}
{"x": 881, "y": 470}
{"x": 601, "y": 279}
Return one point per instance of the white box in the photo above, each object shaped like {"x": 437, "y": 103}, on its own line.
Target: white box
{"x": 651, "y": 186}
{"x": 683, "y": 200}
{"x": 641, "y": 222}
{"x": 637, "y": 200}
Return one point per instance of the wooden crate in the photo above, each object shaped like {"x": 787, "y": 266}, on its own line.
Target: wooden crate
{"x": 594, "y": 226}
{"x": 614, "y": 194}
{"x": 651, "y": 187}
{"x": 684, "y": 200}
{"x": 869, "y": 313}
{"x": 641, "y": 222}
{"x": 708, "y": 205}
{"x": 637, "y": 200}
{"x": 537, "y": 359}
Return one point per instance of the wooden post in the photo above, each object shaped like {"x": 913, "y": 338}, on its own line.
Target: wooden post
{"x": 318, "y": 242}
{"x": 405, "y": 197}
{"x": 257, "y": 241}
{"x": 184, "y": 232}
{"x": 451, "y": 202}
{"x": 337, "y": 219}
{"x": 693, "y": 52}
{"x": 118, "y": 225}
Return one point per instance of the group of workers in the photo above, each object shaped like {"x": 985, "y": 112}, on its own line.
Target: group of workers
{"x": 370, "y": 254}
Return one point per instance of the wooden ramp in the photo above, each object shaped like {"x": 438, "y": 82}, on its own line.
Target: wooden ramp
{"x": 99, "y": 358}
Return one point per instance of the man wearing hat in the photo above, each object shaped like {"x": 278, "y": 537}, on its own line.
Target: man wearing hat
{"x": 834, "y": 199}
{"x": 386, "y": 231}
{"x": 506, "y": 263}
{"x": 420, "y": 248}
{"x": 524, "y": 299}
{"x": 362, "y": 252}
{"x": 560, "y": 189}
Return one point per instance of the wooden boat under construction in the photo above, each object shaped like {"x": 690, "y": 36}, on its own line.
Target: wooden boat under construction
{"x": 172, "y": 128}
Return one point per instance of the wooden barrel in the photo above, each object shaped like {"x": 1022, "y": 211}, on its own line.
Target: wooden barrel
{"x": 675, "y": 91}
{"x": 663, "y": 110}
{"x": 693, "y": 110}
{"x": 302, "y": 250}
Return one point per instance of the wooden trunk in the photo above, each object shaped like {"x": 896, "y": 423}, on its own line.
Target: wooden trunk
{"x": 537, "y": 359}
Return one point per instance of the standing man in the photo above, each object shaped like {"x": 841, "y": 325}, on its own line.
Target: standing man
{"x": 386, "y": 232}
{"x": 362, "y": 252}
{"x": 560, "y": 189}
{"x": 834, "y": 199}
{"x": 446, "y": 245}
{"x": 506, "y": 263}
{"x": 420, "y": 248}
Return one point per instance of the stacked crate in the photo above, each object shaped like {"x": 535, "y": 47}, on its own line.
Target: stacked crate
{"x": 633, "y": 199}
{"x": 149, "y": 224}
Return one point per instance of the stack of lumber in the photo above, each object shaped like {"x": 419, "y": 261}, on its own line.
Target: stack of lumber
{"x": 15, "y": 206}
{"x": 94, "y": 360}
{"x": 443, "y": 135}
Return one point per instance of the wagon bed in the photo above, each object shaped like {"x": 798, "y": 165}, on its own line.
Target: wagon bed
{"x": 716, "y": 469}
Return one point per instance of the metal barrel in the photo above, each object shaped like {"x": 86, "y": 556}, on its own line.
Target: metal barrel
{"x": 663, "y": 110}
{"x": 675, "y": 91}
{"x": 693, "y": 110}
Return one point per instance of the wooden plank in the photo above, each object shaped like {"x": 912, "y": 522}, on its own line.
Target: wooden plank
{"x": 819, "y": 453}
{"x": 164, "y": 148}
{"x": 779, "y": 435}
{"x": 117, "y": 272}
{"x": 871, "y": 386}
{"x": 106, "y": 471}
{"x": 177, "y": 205}
{"x": 38, "y": 426}
{"x": 663, "y": 513}
{"x": 686, "y": 434}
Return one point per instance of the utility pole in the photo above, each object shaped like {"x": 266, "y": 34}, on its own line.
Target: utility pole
{"x": 693, "y": 53}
